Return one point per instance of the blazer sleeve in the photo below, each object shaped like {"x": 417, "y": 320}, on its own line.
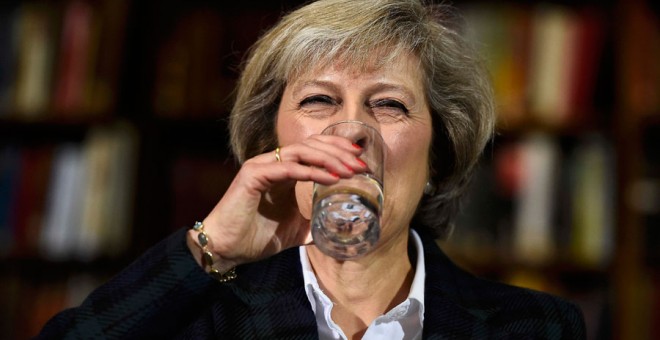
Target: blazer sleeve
{"x": 158, "y": 294}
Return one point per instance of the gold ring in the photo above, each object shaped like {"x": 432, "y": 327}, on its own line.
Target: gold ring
{"x": 277, "y": 155}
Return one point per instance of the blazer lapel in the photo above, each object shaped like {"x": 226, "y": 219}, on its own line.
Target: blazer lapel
{"x": 273, "y": 293}
{"x": 446, "y": 317}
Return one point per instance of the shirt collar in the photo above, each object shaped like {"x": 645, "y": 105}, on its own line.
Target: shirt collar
{"x": 417, "y": 287}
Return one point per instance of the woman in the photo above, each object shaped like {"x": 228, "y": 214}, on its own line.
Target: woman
{"x": 389, "y": 63}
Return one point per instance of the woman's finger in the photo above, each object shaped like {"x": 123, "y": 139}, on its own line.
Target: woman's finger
{"x": 262, "y": 176}
{"x": 317, "y": 153}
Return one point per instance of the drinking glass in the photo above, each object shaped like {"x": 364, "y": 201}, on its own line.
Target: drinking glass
{"x": 346, "y": 215}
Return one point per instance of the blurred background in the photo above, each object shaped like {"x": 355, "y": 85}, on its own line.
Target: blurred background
{"x": 113, "y": 135}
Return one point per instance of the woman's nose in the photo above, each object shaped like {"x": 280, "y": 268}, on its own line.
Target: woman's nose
{"x": 358, "y": 112}
{"x": 362, "y": 133}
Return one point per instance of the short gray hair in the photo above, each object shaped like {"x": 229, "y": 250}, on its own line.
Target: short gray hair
{"x": 353, "y": 31}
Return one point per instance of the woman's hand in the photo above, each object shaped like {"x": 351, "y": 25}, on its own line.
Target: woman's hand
{"x": 258, "y": 215}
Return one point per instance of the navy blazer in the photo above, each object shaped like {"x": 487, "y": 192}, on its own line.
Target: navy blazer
{"x": 165, "y": 294}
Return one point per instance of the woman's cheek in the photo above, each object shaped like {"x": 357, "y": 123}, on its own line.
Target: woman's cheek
{"x": 406, "y": 172}
{"x": 304, "y": 198}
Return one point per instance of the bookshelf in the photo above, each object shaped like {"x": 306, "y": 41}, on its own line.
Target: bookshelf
{"x": 566, "y": 197}
{"x": 68, "y": 156}
{"x": 563, "y": 200}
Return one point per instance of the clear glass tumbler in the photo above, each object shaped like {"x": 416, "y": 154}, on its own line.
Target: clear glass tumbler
{"x": 346, "y": 215}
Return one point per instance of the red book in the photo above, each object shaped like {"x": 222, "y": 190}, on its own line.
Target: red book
{"x": 74, "y": 58}
{"x": 30, "y": 199}
{"x": 587, "y": 51}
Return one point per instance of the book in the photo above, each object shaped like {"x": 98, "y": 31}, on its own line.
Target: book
{"x": 586, "y": 54}
{"x": 110, "y": 154}
{"x": 9, "y": 14}
{"x": 639, "y": 52}
{"x": 88, "y": 209}
{"x": 34, "y": 60}
{"x": 592, "y": 190}
{"x": 94, "y": 198}
{"x": 61, "y": 225}
{"x": 74, "y": 57}
{"x": 110, "y": 20}
{"x": 533, "y": 240}
{"x": 10, "y": 162}
{"x": 32, "y": 183}
{"x": 124, "y": 155}
{"x": 551, "y": 63}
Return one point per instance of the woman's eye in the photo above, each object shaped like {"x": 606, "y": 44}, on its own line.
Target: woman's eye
{"x": 317, "y": 99}
{"x": 389, "y": 105}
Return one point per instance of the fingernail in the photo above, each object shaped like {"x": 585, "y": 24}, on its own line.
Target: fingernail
{"x": 361, "y": 162}
{"x": 349, "y": 168}
{"x": 357, "y": 146}
{"x": 334, "y": 175}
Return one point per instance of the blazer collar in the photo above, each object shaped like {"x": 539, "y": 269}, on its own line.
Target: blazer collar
{"x": 446, "y": 315}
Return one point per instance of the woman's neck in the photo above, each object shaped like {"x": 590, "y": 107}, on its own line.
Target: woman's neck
{"x": 366, "y": 288}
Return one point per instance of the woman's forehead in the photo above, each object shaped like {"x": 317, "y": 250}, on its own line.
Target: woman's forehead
{"x": 408, "y": 63}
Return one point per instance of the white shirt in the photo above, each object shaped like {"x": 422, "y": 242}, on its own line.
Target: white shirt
{"x": 402, "y": 322}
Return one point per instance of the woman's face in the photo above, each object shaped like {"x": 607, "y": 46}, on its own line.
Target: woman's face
{"x": 391, "y": 99}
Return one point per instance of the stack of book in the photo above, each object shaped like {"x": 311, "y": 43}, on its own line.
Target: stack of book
{"x": 60, "y": 60}
{"x": 69, "y": 201}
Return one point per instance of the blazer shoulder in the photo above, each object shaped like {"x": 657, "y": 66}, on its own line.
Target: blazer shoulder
{"x": 523, "y": 311}
{"x": 156, "y": 295}
{"x": 503, "y": 308}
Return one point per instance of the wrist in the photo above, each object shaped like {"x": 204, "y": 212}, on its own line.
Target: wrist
{"x": 201, "y": 247}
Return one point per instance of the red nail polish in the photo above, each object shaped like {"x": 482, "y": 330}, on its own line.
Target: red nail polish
{"x": 361, "y": 162}
{"x": 334, "y": 175}
{"x": 349, "y": 168}
{"x": 357, "y": 146}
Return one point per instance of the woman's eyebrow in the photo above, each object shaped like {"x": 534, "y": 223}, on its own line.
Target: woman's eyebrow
{"x": 380, "y": 86}
{"x": 383, "y": 86}
{"x": 314, "y": 83}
